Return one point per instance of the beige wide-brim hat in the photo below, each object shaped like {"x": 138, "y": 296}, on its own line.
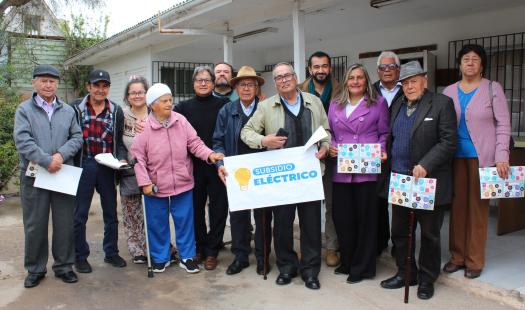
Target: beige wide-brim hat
{"x": 246, "y": 72}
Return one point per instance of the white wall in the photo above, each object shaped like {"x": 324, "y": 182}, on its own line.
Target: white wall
{"x": 438, "y": 32}
{"x": 121, "y": 68}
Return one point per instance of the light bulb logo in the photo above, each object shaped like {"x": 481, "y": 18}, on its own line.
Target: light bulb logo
{"x": 243, "y": 175}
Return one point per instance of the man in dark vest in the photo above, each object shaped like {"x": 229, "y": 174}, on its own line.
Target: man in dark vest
{"x": 299, "y": 114}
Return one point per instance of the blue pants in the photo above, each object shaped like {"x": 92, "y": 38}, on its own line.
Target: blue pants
{"x": 157, "y": 216}
{"x": 101, "y": 178}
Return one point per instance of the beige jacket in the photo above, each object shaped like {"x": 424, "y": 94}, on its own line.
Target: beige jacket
{"x": 269, "y": 117}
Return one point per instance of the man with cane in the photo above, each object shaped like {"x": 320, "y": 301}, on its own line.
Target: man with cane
{"x": 422, "y": 144}
{"x": 226, "y": 139}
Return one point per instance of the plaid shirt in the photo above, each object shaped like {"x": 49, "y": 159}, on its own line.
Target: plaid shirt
{"x": 97, "y": 131}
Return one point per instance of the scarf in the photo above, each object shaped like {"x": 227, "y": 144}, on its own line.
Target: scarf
{"x": 327, "y": 91}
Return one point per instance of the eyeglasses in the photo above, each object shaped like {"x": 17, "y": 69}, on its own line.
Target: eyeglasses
{"x": 247, "y": 85}
{"x": 385, "y": 67}
{"x": 202, "y": 81}
{"x": 136, "y": 93}
{"x": 283, "y": 78}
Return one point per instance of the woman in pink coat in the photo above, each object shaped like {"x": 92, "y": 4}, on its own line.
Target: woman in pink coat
{"x": 165, "y": 173}
{"x": 483, "y": 141}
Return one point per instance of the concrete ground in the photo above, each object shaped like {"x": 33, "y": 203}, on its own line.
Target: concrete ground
{"x": 129, "y": 288}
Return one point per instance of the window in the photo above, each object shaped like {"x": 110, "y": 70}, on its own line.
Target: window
{"x": 32, "y": 24}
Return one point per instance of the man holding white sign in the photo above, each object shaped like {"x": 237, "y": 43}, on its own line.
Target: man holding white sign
{"x": 46, "y": 133}
{"x": 288, "y": 119}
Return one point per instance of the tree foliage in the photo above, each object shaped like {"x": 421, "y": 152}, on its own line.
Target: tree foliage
{"x": 9, "y": 157}
{"x": 6, "y": 4}
{"x": 80, "y": 34}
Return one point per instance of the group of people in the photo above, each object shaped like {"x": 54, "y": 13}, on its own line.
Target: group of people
{"x": 177, "y": 152}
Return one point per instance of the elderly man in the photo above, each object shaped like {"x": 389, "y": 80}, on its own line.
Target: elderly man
{"x": 389, "y": 88}
{"x": 226, "y": 139}
{"x": 102, "y": 123}
{"x": 201, "y": 111}
{"x": 323, "y": 85}
{"x": 299, "y": 114}
{"x": 422, "y": 144}
{"x": 223, "y": 74}
{"x": 46, "y": 133}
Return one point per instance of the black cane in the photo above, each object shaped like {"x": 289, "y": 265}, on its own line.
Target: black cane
{"x": 409, "y": 253}
{"x": 265, "y": 256}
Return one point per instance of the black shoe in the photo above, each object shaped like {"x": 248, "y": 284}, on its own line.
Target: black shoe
{"x": 83, "y": 266}
{"x": 312, "y": 283}
{"x": 425, "y": 290}
{"x": 236, "y": 267}
{"x": 341, "y": 270}
{"x": 140, "y": 259}
{"x": 33, "y": 280}
{"x": 68, "y": 277}
{"x": 353, "y": 279}
{"x": 115, "y": 261}
{"x": 285, "y": 278}
{"x": 260, "y": 268}
{"x": 396, "y": 282}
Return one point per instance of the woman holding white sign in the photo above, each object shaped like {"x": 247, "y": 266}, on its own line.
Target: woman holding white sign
{"x": 358, "y": 117}
{"x": 483, "y": 141}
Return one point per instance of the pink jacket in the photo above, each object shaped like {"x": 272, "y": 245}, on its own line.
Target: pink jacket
{"x": 488, "y": 125}
{"x": 163, "y": 155}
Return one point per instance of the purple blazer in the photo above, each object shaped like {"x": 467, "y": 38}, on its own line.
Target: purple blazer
{"x": 365, "y": 125}
{"x": 488, "y": 126}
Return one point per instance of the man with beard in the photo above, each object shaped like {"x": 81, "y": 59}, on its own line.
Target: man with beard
{"x": 223, "y": 74}
{"x": 323, "y": 85}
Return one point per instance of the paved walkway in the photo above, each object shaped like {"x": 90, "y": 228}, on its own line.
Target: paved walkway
{"x": 129, "y": 288}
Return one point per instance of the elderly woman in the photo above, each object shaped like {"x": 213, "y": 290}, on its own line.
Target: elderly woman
{"x": 164, "y": 172}
{"x": 357, "y": 115}
{"x": 483, "y": 141}
{"x": 135, "y": 111}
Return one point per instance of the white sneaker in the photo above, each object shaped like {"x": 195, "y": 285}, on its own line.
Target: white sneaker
{"x": 189, "y": 265}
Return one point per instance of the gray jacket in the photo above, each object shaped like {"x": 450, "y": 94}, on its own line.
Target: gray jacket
{"x": 37, "y": 138}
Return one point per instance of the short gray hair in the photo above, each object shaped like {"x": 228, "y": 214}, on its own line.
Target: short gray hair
{"x": 201, "y": 69}
{"x": 283, "y": 64}
{"x": 388, "y": 54}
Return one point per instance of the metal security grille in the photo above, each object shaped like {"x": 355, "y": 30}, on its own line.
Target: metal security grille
{"x": 339, "y": 65}
{"x": 505, "y": 64}
{"x": 177, "y": 75}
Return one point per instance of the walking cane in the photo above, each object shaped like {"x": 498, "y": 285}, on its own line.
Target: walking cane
{"x": 150, "y": 268}
{"x": 408, "y": 264}
{"x": 265, "y": 256}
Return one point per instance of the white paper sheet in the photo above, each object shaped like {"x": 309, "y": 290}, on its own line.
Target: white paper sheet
{"x": 319, "y": 134}
{"x": 64, "y": 180}
{"x": 108, "y": 160}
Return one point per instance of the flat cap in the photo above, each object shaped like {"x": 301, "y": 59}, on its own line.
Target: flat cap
{"x": 46, "y": 70}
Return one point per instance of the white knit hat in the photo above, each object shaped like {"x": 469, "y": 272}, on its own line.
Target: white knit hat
{"x": 156, "y": 91}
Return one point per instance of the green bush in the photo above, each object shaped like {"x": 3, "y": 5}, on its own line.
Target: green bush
{"x": 8, "y": 154}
